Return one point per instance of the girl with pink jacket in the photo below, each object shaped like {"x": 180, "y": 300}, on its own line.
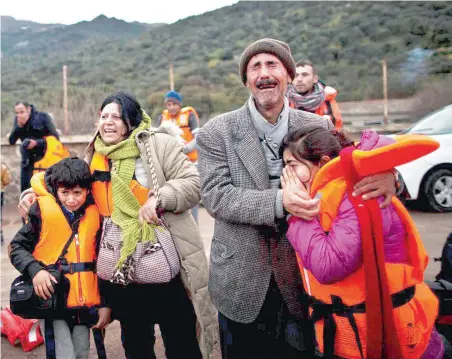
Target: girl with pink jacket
{"x": 334, "y": 255}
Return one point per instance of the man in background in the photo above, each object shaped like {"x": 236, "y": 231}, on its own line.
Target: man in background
{"x": 308, "y": 93}
{"x": 30, "y": 126}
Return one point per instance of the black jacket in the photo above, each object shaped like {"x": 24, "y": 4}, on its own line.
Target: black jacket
{"x": 38, "y": 126}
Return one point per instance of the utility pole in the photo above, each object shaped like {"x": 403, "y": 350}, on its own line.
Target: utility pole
{"x": 171, "y": 76}
{"x": 385, "y": 92}
{"x": 65, "y": 106}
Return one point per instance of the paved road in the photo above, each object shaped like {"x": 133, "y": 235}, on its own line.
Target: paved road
{"x": 433, "y": 227}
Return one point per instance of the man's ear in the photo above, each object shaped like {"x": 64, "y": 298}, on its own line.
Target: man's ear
{"x": 316, "y": 79}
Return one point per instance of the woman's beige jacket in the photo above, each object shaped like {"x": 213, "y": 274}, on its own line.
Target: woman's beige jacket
{"x": 179, "y": 188}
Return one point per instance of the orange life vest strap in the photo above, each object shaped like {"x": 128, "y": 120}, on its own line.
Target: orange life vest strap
{"x": 382, "y": 339}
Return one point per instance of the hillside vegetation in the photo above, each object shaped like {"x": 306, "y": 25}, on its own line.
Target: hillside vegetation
{"x": 346, "y": 40}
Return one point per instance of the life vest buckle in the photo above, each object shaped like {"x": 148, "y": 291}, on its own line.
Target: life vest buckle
{"x": 62, "y": 261}
{"x": 338, "y": 307}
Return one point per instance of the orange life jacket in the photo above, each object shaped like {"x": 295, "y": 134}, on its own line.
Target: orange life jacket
{"x": 81, "y": 254}
{"x": 329, "y": 107}
{"x": 101, "y": 187}
{"x": 181, "y": 120}
{"x": 55, "y": 152}
{"x": 342, "y": 305}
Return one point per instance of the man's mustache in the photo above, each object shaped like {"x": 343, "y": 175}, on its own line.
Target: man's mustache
{"x": 267, "y": 82}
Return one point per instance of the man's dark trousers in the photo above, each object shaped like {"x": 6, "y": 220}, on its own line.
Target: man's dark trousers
{"x": 266, "y": 337}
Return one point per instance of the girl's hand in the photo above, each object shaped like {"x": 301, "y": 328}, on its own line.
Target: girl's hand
{"x": 104, "y": 318}
{"x": 148, "y": 212}
{"x": 291, "y": 182}
{"x": 42, "y": 284}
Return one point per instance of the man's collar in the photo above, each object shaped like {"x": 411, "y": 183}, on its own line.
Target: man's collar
{"x": 258, "y": 116}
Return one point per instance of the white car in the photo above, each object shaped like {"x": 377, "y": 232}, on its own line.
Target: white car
{"x": 429, "y": 179}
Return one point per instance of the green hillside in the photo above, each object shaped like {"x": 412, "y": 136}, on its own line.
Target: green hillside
{"x": 347, "y": 41}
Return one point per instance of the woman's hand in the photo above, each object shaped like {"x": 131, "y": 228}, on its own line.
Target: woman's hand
{"x": 42, "y": 284}
{"x": 374, "y": 186}
{"x": 104, "y": 318}
{"x": 25, "y": 204}
{"x": 296, "y": 199}
{"x": 148, "y": 212}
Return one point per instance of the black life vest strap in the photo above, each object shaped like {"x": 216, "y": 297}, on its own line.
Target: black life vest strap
{"x": 322, "y": 310}
{"x": 70, "y": 268}
{"x": 330, "y": 110}
{"x": 101, "y": 176}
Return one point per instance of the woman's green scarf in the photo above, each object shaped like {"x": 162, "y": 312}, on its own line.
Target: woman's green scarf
{"x": 125, "y": 213}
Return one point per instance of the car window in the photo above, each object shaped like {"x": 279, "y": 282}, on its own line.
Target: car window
{"x": 436, "y": 123}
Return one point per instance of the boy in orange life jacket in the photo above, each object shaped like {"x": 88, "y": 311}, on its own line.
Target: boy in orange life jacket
{"x": 330, "y": 249}
{"x": 68, "y": 208}
{"x": 187, "y": 119}
{"x": 308, "y": 93}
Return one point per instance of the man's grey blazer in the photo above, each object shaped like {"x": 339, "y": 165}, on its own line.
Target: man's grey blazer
{"x": 247, "y": 245}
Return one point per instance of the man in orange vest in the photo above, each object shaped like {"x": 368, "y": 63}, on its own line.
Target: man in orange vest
{"x": 308, "y": 93}
{"x": 187, "y": 119}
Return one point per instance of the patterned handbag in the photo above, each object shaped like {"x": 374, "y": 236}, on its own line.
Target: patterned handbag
{"x": 151, "y": 262}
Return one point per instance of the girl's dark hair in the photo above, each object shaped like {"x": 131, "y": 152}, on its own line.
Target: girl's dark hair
{"x": 68, "y": 173}
{"x": 129, "y": 106}
{"x": 313, "y": 141}
{"x": 25, "y": 103}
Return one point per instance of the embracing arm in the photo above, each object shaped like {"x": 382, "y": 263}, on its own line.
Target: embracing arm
{"x": 220, "y": 197}
{"x": 329, "y": 256}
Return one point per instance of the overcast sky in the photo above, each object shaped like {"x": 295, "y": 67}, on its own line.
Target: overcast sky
{"x": 72, "y": 11}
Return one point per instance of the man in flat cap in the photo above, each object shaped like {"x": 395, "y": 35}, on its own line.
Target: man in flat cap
{"x": 254, "y": 277}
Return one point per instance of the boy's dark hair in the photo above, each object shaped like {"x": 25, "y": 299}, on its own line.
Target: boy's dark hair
{"x": 313, "y": 141}
{"x": 129, "y": 106}
{"x": 68, "y": 173}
